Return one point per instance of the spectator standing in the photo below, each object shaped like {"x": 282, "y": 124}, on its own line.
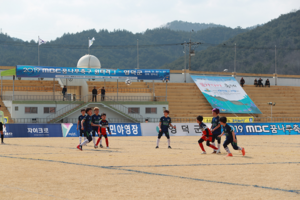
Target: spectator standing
{"x": 64, "y": 91}
{"x": 267, "y": 83}
{"x": 94, "y": 93}
{"x": 102, "y": 94}
{"x": 242, "y": 82}
{"x": 255, "y": 83}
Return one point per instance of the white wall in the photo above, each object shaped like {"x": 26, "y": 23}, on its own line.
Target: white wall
{"x": 21, "y": 110}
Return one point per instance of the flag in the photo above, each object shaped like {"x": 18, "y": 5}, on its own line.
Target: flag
{"x": 91, "y": 41}
{"x": 42, "y": 41}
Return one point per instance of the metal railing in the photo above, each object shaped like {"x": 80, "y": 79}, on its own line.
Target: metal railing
{"x": 31, "y": 88}
{"x": 67, "y": 97}
{"x": 125, "y": 89}
{"x": 87, "y": 98}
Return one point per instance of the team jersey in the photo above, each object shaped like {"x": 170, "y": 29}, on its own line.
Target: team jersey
{"x": 79, "y": 120}
{"x": 165, "y": 123}
{"x": 215, "y": 122}
{"x": 96, "y": 119}
{"x": 87, "y": 123}
{"x": 205, "y": 130}
{"x": 2, "y": 117}
{"x": 228, "y": 131}
{"x": 104, "y": 124}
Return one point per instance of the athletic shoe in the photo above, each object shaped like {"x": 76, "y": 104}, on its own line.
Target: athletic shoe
{"x": 107, "y": 147}
{"x": 203, "y": 152}
{"x": 169, "y": 147}
{"x": 156, "y": 147}
{"x": 2, "y": 143}
{"x": 214, "y": 152}
{"x": 243, "y": 151}
{"x": 101, "y": 146}
{"x": 229, "y": 155}
{"x": 79, "y": 147}
{"x": 218, "y": 151}
{"x": 95, "y": 146}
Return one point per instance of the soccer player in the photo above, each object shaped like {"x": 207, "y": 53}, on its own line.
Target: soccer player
{"x": 2, "y": 124}
{"x": 79, "y": 124}
{"x": 216, "y": 129}
{"x": 96, "y": 118}
{"x": 230, "y": 137}
{"x": 206, "y": 136}
{"x": 102, "y": 130}
{"x": 86, "y": 126}
{"x": 164, "y": 124}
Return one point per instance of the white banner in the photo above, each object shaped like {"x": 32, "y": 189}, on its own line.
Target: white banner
{"x": 182, "y": 129}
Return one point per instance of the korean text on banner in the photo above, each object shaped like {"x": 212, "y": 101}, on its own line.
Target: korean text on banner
{"x": 32, "y": 130}
{"x": 117, "y": 129}
{"x": 87, "y": 73}
{"x": 226, "y": 94}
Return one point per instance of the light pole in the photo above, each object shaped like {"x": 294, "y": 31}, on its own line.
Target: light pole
{"x": 275, "y": 67}
{"x": 184, "y": 61}
{"x": 234, "y": 59}
{"x": 272, "y": 104}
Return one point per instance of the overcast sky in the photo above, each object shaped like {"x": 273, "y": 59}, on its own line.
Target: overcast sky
{"x": 49, "y": 19}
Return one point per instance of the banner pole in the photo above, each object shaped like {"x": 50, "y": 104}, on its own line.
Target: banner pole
{"x": 117, "y": 89}
{"x": 13, "y": 87}
{"x": 1, "y": 87}
{"x": 166, "y": 90}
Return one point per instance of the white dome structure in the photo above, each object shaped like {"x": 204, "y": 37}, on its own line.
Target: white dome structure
{"x": 89, "y": 61}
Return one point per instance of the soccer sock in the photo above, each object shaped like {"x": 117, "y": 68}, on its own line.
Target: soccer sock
{"x": 101, "y": 140}
{"x": 201, "y": 146}
{"x": 219, "y": 145}
{"x": 98, "y": 141}
{"x": 157, "y": 143}
{"x": 106, "y": 140}
{"x": 84, "y": 142}
{"x": 79, "y": 139}
{"x": 213, "y": 143}
{"x": 2, "y": 136}
{"x": 94, "y": 141}
{"x": 213, "y": 146}
{"x": 227, "y": 149}
{"x": 169, "y": 141}
{"x": 240, "y": 148}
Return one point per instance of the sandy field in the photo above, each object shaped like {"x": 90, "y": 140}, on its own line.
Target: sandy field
{"x": 52, "y": 168}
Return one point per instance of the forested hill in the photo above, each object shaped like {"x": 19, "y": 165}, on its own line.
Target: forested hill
{"x": 188, "y": 26}
{"x": 115, "y": 49}
{"x": 255, "y": 50}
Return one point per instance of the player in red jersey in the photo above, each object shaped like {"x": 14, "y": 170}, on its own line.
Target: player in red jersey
{"x": 206, "y": 136}
{"x": 102, "y": 130}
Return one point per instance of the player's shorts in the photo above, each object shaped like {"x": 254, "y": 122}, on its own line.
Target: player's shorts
{"x": 94, "y": 132}
{"x": 206, "y": 138}
{"x": 103, "y": 131}
{"x": 1, "y": 126}
{"x": 230, "y": 141}
{"x": 215, "y": 137}
{"x": 163, "y": 132}
{"x": 88, "y": 135}
{"x": 81, "y": 133}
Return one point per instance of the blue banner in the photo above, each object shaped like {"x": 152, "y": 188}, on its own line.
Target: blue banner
{"x": 117, "y": 129}
{"x": 226, "y": 94}
{"x": 266, "y": 128}
{"x": 32, "y": 130}
{"x": 90, "y": 73}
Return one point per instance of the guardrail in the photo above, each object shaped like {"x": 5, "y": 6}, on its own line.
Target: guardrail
{"x": 87, "y": 98}
{"x": 32, "y": 88}
{"x": 125, "y": 89}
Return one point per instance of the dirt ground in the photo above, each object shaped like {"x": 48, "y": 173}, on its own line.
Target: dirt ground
{"x": 52, "y": 168}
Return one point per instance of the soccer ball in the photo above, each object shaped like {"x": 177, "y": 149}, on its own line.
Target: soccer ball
{"x": 128, "y": 82}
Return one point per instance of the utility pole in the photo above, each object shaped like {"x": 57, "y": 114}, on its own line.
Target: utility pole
{"x": 190, "y": 57}
{"x": 234, "y": 59}
{"x": 137, "y": 50}
{"x": 275, "y": 67}
{"x": 185, "y": 61}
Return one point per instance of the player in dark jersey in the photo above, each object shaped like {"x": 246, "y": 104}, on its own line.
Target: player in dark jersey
{"x": 164, "y": 124}
{"x": 102, "y": 130}
{"x": 216, "y": 129}
{"x": 86, "y": 126}
{"x": 230, "y": 137}
{"x": 206, "y": 136}
{"x": 79, "y": 125}
{"x": 96, "y": 118}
